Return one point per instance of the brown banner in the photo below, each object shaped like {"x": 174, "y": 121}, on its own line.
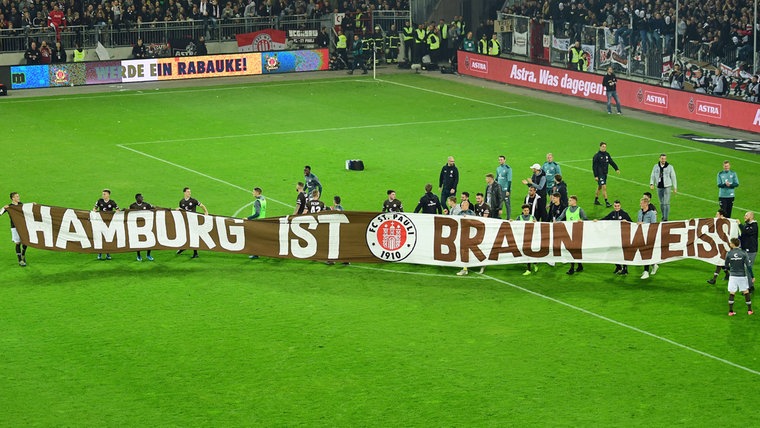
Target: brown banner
{"x": 372, "y": 237}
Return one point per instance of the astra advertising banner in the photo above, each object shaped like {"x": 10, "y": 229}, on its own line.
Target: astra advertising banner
{"x": 371, "y": 237}
{"x": 656, "y": 99}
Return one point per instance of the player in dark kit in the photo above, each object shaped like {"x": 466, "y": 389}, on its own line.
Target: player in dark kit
{"x": 139, "y": 204}
{"x": 300, "y": 200}
{"x": 618, "y": 214}
{"x": 600, "y": 165}
{"x": 20, "y": 248}
{"x": 481, "y": 208}
{"x": 392, "y": 205}
{"x": 105, "y": 204}
{"x": 314, "y": 204}
{"x": 429, "y": 203}
{"x": 737, "y": 263}
{"x": 189, "y": 204}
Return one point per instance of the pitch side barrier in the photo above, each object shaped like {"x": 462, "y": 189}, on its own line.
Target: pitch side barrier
{"x": 641, "y": 96}
{"x": 163, "y": 69}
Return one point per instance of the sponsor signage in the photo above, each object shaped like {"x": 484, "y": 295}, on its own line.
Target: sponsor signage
{"x": 681, "y": 104}
{"x": 171, "y": 68}
{"x": 371, "y": 237}
{"x": 708, "y": 109}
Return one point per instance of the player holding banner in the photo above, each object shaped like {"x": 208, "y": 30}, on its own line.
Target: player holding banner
{"x": 20, "y": 248}
{"x": 737, "y": 264}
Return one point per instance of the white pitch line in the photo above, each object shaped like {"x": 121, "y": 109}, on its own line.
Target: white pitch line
{"x": 333, "y": 129}
{"x": 722, "y": 155}
{"x": 624, "y": 325}
{"x": 657, "y": 155}
{"x": 712, "y": 201}
{"x": 197, "y": 172}
{"x": 170, "y": 91}
{"x": 244, "y": 207}
{"x": 440, "y": 275}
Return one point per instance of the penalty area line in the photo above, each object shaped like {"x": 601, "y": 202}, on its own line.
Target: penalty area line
{"x": 624, "y": 325}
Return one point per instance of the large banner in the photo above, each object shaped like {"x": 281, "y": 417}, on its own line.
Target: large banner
{"x": 372, "y": 237}
{"x": 656, "y": 99}
{"x": 262, "y": 41}
{"x": 181, "y": 66}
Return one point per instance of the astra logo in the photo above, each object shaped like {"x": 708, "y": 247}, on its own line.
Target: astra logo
{"x": 708, "y": 109}
{"x": 481, "y": 66}
{"x": 655, "y": 99}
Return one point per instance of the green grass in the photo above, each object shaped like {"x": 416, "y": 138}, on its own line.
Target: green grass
{"x": 223, "y": 341}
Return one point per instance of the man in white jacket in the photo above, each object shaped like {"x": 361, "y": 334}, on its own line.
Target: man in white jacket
{"x": 664, "y": 178}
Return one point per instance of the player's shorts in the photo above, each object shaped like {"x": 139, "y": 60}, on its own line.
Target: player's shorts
{"x": 602, "y": 180}
{"x": 737, "y": 283}
{"x": 14, "y": 236}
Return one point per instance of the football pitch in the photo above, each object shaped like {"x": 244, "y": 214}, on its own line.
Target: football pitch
{"x": 226, "y": 341}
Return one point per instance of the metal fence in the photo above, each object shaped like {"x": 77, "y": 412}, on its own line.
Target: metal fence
{"x": 155, "y": 32}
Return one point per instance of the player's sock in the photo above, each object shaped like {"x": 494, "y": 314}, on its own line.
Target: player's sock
{"x": 18, "y": 251}
{"x": 730, "y": 303}
{"x": 748, "y": 299}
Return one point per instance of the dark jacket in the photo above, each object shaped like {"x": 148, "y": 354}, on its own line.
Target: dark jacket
{"x": 494, "y": 198}
{"x": 601, "y": 162}
{"x": 749, "y": 236}
{"x": 429, "y": 204}
{"x": 449, "y": 178}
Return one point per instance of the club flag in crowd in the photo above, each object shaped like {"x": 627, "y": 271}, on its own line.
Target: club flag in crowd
{"x": 425, "y": 239}
{"x": 262, "y": 41}
{"x": 520, "y": 43}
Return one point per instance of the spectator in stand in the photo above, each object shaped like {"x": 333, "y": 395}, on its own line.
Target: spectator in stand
{"x": 719, "y": 83}
{"x": 56, "y": 19}
{"x": 676, "y": 77}
{"x": 701, "y": 84}
{"x": 139, "y": 51}
{"x": 130, "y": 17}
{"x": 59, "y": 53}
{"x": 753, "y": 90}
{"x": 46, "y": 54}
{"x": 656, "y": 29}
{"x": 32, "y": 55}
{"x": 200, "y": 48}
{"x": 227, "y": 12}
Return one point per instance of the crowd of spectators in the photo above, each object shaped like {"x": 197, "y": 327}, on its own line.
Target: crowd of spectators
{"x": 31, "y": 14}
{"x": 721, "y": 27}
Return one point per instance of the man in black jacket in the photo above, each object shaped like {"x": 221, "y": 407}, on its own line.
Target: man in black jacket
{"x": 429, "y": 202}
{"x": 619, "y": 215}
{"x": 600, "y": 165}
{"x": 494, "y": 196}
{"x": 749, "y": 242}
{"x": 448, "y": 180}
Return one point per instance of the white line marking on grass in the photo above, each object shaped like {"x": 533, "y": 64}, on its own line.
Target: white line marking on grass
{"x": 244, "y": 207}
{"x": 169, "y": 91}
{"x": 615, "y": 176}
{"x": 197, "y": 172}
{"x": 657, "y": 155}
{"x": 307, "y": 131}
{"x": 624, "y": 325}
{"x": 723, "y": 156}
{"x": 415, "y": 273}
